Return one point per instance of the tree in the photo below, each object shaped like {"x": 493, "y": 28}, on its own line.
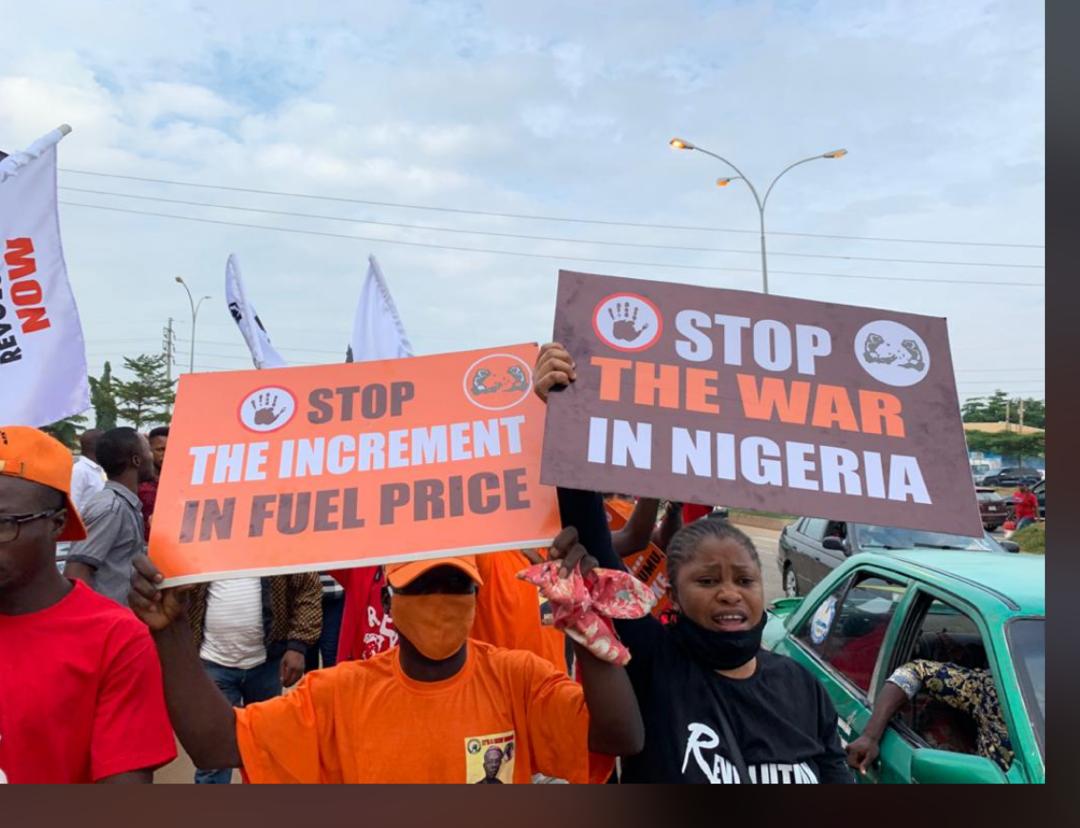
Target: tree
{"x": 67, "y": 430}
{"x": 103, "y": 398}
{"x": 1034, "y": 413}
{"x": 999, "y": 407}
{"x": 1012, "y": 446}
{"x": 147, "y": 399}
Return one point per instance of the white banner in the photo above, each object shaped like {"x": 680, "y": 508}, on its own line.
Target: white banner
{"x": 42, "y": 351}
{"x": 263, "y": 353}
{"x": 377, "y": 329}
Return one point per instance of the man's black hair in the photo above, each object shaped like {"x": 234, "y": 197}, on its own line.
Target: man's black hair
{"x": 115, "y": 449}
{"x": 160, "y": 431}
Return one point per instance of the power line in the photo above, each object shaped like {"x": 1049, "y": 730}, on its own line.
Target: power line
{"x": 522, "y": 254}
{"x": 533, "y": 217}
{"x": 994, "y": 370}
{"x": 528, "y": 237}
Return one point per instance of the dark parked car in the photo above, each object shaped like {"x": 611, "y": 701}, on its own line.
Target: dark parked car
{"x": 811, "y": 548}
{"x": 1013, "y": 477}
{"x": 993, "y": 508}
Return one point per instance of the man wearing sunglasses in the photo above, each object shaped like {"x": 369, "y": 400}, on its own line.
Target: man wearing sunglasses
{"x": 81, "y": 696}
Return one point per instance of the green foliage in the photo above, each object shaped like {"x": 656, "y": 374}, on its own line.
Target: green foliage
{"x": 994, "y": 409}
{"x": 1032, "y": 538}
{"x": 67, "y": 431}
{"x": 147, "y": 399}
{"x": 1009, "y": 444}
{"x": 103, "y": 398}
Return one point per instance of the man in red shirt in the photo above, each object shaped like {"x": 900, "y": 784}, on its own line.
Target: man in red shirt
{"x": 1025, "y": 506}
{"x": 81, "y": 696}
{"x": 158, "y": 438}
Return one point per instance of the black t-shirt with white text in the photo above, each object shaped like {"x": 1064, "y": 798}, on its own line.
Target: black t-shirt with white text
{"x": 781, "y": 718}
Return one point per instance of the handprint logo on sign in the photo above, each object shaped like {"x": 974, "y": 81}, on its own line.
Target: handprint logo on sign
{"x": 267, "y": 409}
{"x": 627, "y": 322}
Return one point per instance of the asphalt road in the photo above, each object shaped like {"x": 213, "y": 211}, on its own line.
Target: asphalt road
{"x": 766, "y": 541}
{"x": 182, "y": 771}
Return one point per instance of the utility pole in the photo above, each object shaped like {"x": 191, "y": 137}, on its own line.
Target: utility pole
{"x": 169, "y": 345}
{"x": 1020, "y": 450}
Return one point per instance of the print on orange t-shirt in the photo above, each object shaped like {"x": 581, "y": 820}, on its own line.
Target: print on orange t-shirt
{"x": 508, "y": 610}
{"x": 650, "y": 564}
{"x": 366, "y": 721}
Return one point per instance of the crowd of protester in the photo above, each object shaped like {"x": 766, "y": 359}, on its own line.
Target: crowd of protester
{"x": 440, "y": 670}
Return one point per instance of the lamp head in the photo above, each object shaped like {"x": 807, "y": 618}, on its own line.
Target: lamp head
{"x": 680, "y": 144}
{"x": 837, "y": 153}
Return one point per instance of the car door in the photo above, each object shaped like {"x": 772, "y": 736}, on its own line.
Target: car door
{"x": 841, "y": 639}
{"x": 939, "y": 628}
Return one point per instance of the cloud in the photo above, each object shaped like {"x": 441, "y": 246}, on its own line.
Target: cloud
{"x": 559, "y": 108}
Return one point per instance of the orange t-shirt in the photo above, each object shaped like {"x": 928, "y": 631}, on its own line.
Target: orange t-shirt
{"x": 508, "y": 610}
{"x": 506, "y": 715}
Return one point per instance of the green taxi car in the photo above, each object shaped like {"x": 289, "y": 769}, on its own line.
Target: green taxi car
{"x": 877, "y": 612}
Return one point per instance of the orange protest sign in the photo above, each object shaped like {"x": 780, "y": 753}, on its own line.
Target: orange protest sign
{"x": 648, "y": 565}
{"x": 333, "y": 466}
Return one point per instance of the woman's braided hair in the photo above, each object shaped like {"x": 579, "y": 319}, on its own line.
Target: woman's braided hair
{"x": 684, "y": 544}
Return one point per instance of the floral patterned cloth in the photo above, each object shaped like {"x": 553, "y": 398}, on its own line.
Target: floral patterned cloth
{"x": 971, "y": 691}
{"x": 581, "y": 605}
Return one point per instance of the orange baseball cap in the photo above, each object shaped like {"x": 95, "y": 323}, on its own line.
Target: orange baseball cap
{"x": 33, "y": 455}
{"x": 402, "y": 574}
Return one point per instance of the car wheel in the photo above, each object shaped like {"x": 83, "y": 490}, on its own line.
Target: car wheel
{"x": 791, "y": 583}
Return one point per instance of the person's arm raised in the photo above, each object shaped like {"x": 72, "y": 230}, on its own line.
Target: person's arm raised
{"x": 669, "y": 525}
{"x": 637, "y": 532}
{"x": 201, "y": 716}
{"x": 615, "y": 725}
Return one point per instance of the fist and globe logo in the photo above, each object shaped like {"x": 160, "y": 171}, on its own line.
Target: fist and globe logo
{"x": 892, "y": 353}
{"x": 627, "y": 322}
{"x": 267, "y": 409}
{"x": 497, "y": 382}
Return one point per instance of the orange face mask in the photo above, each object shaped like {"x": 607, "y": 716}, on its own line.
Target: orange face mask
{"x": 436, "y": 624}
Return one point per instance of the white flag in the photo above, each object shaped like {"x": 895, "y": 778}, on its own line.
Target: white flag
{"x": 377, "y": 329}
{"x": 42, "y": 351}
{"x": 251, "y": 327}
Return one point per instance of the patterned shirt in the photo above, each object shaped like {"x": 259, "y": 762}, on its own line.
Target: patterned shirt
{"x": 971, "y": 691}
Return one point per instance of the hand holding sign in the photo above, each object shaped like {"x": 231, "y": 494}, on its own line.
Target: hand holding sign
{"x": 156, "y": 607}
{"x": 554, "y": 369}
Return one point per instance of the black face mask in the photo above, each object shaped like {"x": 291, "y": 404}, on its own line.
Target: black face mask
{"x": 718, "y": 650}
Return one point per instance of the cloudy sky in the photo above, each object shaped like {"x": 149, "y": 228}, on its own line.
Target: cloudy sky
{"x": 554, "y": 110}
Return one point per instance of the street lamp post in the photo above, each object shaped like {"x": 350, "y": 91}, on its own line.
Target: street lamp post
{"x": 194, "y": 316}
{"x": 680, "y": 144}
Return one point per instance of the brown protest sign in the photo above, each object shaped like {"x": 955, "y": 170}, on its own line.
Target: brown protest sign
{"x": 763, "y": 402}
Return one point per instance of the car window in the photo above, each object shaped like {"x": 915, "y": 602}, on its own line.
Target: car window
{"x": 1027, "y": 644}
{"x": 848, "y": 628}
{"x": 814, "y": 528}
{"x": 989, "y": 497}
{"x": 948, "y": 652}
{"x": 892, "y": 537}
